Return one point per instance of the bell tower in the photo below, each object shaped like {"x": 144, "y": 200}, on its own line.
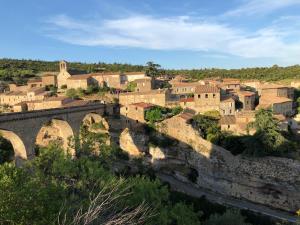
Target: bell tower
{"x": 62, "y": 66}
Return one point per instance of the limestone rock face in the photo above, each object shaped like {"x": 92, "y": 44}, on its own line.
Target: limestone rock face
{"x": 133, "y": 143}
{"x": 156, "y": 153}
{"x": 271, "y": 181}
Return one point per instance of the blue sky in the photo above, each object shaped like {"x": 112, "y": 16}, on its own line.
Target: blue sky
{"x": 173, "y": 33}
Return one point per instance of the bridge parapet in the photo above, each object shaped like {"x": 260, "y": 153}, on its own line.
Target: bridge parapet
{"x": 49, "y": 112}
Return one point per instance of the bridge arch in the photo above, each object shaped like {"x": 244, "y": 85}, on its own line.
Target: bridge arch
{"x": 56, "y": 129}
{"x": 96, "y": 122}
{"x": 18, "y": 145}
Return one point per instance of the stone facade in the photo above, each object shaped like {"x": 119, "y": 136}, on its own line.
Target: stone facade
{"x": 279, "y": 105}
{"x": 227, "y": 106}
{"x": 133, "y": 115}
{"x": 182, "y": 88}
{"x": 14, "y": 97}
{"x": 143, "y": 84}
{"x": 207, "y": 98}
{"x": 155, "y": 97}
{"x": 247, "y": 99}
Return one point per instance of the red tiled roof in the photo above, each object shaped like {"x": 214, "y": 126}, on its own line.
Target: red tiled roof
{"x": 187, "y": 99}
{"x": 207, "y": 89}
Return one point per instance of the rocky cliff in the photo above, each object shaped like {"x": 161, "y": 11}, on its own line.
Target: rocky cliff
{"x": 271, "y": 181}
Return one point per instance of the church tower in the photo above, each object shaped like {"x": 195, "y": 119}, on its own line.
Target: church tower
{"x": 63, "y": 66}
{"x": 63, "y": 75}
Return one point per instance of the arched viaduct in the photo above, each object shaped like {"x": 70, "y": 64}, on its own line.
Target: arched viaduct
{"x": 21, "y": 129}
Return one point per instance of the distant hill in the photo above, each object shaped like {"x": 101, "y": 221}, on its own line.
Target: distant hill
{"x": 274, "y": 73}
{"x": 19, "y": 71}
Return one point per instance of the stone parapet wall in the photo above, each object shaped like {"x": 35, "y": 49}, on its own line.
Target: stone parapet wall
{"x": 49, "y": 112}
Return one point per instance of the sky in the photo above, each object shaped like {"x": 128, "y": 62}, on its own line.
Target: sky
{"x": 176, "y": 34}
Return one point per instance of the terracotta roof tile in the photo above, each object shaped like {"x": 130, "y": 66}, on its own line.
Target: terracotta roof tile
{"x": 187, "y": 99}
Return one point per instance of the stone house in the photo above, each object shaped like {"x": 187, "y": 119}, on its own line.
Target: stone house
{"x": 279, "y": 105}
{"x": 143, "y": 84}
{"x": 34, "y": 83}
{"x": 156, "y": 97}
{"x": 133, "y": 115}
{"x": 227, "y": 106}
{"x": 184, "y": 88}
{"x": 247, "y": 98}
{"x": 112, "y": 80}
{"x": 80, "y": 81}
{"x": 228, "y": 123}
{"x": 49, "y": 80}
{"x": 276, "y": 90}
{"x": 207, "y": 98}
{"x": 14, "y": 97}
{"x": 230, "y": 84}
{"x": 47, "y": 103}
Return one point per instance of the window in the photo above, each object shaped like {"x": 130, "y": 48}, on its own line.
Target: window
{"x": 228, "y": 126}
{"x": 214, "y": 95}
{"x": 135, "y": 108}
{"x": 206, "y": 95}
{"x": 137, "y": 121}
{"x": 199, "y": 96}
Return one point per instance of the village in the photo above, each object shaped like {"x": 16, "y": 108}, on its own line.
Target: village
{"x": 236, "y": 101}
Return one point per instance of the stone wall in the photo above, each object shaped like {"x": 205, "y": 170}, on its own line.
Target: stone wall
{"x": 270, "y": 181}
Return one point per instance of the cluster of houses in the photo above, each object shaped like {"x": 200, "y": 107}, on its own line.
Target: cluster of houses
{"x": 35, "y": 95}
{"x": 235, "y": 100}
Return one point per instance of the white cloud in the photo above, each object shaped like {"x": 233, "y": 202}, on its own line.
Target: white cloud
{"x": 180, "y": 33}
{"x": 253, "y": 7}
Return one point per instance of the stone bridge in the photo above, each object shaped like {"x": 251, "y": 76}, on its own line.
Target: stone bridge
{"x": 21, "y": 129}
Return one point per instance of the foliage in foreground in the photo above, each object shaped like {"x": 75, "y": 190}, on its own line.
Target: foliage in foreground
{"x": 57, "y": 189}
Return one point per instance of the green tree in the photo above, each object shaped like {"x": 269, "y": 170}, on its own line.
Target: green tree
{"x": 72, "y": 93}
{"x": 229, "y": 217}
{"x": 268, "y": 134}
{"x": 206, "y": 125}
{"x": 152, "y": 69}
{"x": 131, "y": 86}
{"x": 154, "y": 115}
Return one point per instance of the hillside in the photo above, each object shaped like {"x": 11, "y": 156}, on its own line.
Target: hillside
{"x": 20, "y": 71}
